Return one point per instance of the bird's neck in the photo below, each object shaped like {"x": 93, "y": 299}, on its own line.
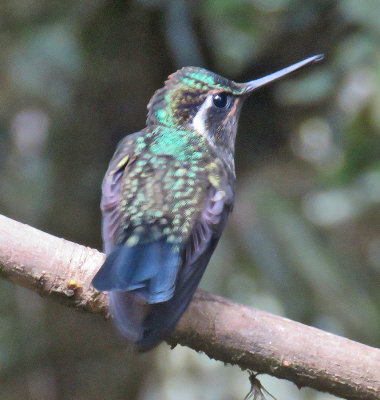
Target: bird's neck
{"x": 188, "y": 145}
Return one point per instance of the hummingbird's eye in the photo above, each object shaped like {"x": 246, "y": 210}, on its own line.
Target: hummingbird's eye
{"x": 220, "y": 100}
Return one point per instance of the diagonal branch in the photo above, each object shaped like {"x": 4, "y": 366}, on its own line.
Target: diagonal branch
{"x": 224, "y": 330}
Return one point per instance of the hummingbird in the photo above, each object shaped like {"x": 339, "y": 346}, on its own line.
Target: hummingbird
{"x": 166, "y": 197}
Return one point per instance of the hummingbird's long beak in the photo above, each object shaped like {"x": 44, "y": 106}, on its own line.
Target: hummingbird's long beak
{"x": 256, "y": 83}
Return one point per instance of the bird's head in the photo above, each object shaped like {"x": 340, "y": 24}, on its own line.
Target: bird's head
{"x": 196, "y": 99}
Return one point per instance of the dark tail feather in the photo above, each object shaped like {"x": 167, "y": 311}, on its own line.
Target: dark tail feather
{"x": 137, "y": 277}
{"x": 129, "y": 310}
{"x": 163, "y": 317}
{"x": 150, "y": 269}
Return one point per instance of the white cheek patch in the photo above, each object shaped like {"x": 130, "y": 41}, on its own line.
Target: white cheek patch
{"x": 199, "y": 121}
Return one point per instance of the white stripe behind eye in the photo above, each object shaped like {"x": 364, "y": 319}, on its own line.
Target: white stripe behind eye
{"x": 199, "y": 121}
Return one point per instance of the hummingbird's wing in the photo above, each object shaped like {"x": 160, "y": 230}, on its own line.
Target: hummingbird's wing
{"x": 111, "y": 194}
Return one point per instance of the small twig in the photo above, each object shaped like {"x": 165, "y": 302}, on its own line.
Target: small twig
{"x": 257, "y": 388}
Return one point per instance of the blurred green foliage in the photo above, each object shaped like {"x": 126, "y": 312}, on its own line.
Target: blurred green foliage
{"x": 304, "y": 238}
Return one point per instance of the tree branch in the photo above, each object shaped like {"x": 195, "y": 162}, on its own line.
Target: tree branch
{"x": 224, "y": 330}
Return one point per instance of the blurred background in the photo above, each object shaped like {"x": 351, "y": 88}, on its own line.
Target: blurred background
{"x": 304, "y": 238}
